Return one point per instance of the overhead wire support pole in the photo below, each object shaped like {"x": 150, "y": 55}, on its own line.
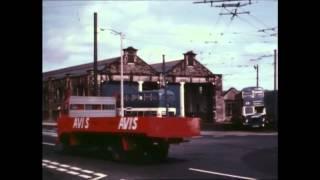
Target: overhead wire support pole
{"x": 275, "y": 70}
{"x": 256, "y": 67}
{"x": 275, "y": 89}
{"x": 95, "y": 56}
{"x": 165, "y": 84}
{"x": 121, "y": 75}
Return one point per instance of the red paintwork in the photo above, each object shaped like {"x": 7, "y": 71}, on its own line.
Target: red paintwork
{"x": 154, "y": 127}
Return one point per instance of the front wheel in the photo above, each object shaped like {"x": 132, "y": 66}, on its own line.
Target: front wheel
{"x": 65, "y": 144}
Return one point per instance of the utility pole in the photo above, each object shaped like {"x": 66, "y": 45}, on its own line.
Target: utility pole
{"x": 121, "y": 74}
{"x": 275, "y": 90}
{"x": 256, "y": 67}
{"x": 165, "y": 84}
{"x": 275, "y": 70}
{"x": 95, "y": 55}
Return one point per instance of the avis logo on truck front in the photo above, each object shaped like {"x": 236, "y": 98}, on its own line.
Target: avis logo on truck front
{"x": 128, "y": 123}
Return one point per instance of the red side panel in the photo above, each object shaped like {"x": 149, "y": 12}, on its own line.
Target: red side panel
{"x": 173, "y": 127}
{"x": 169, "y": 127}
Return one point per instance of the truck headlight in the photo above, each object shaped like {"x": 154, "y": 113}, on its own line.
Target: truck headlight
{"x": 247, "y": 120}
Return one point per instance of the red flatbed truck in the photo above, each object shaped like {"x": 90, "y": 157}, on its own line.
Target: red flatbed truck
{"x": 94, "y": 121}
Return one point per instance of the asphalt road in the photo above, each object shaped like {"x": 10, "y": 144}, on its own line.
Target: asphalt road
{"x": 221, "y": 155}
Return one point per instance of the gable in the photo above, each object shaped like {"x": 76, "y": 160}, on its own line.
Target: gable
{"x": 231, "y": 94}
{"x": 197, "y": 69}
{"x": 139, "y": 67}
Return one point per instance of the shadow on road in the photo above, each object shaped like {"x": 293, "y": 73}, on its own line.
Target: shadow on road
{"x": 96, "y": 153}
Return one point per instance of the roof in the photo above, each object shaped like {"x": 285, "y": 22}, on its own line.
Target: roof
{"x": 77, "y": 70}
{"x": 232, "y": 88}
{"x": 130, "y": 48}
{"x": 190, "y": 53}
{"x": 251, "y": 88}
{"x": 168, "y": 65}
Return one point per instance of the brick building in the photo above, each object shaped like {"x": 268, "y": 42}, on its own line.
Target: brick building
{"x": 232, "y": 104}
{"x": 199, "y": 91}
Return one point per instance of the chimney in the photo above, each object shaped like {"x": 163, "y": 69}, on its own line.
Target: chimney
{"x": 130, "y": 55}
{"x": 189, "y": 58}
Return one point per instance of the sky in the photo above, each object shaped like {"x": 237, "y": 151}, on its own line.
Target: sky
{"x": 224, "y": 46}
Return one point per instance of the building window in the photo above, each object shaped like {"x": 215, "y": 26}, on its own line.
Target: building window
{"x": 130, "y": 58}
{"x": 58, "y": 94}
{"x": 200, "y": 89}
{"x": 229, "y": 107}
{"x": 190, "y": 61}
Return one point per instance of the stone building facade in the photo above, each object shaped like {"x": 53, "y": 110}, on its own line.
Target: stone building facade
{"x": 199, "y": 90}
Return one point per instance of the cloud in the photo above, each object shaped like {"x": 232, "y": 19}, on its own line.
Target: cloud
{"x": 55, "y": 55}
{"x": 157, "y": 28}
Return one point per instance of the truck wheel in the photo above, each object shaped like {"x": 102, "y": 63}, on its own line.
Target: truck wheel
{"x": 117, "y": 153}
{"x": 65, "y": 144}
{"x": 160, "y": 152}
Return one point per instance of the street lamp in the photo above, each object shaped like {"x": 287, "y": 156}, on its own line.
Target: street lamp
{"x": 121, "y": 69}
{"x": 121, "y": 64}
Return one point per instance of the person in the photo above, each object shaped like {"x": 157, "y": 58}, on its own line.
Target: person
{"x": 59, "y": 111}
{"x": 65, "y": 106}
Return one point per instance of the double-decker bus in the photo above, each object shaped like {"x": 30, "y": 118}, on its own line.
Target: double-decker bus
{"x": 253, "y": 108}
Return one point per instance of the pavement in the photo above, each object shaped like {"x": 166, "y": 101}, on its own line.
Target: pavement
{"x": 213, "y": 155}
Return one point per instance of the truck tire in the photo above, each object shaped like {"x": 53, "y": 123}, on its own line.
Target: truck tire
{"x": 117, "y": 152}
{"x": 162, "y": 153}
{"x": 159, "y": 152}
{"x": 65, "y": 144}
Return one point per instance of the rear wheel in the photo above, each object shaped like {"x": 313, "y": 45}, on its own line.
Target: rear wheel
{"x": 158, "y": 151}
{"x": 161, "y": 152}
